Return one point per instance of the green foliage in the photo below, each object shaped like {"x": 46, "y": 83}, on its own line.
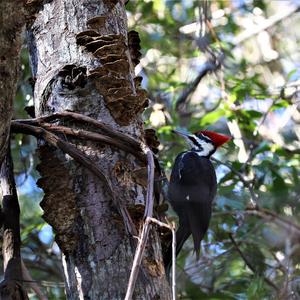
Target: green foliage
{"x": 248, "y": 104}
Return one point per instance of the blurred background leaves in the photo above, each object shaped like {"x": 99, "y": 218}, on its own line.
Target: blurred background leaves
{"x": 233, "y": 67}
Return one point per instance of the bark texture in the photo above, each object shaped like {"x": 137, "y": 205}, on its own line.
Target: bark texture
{"x": 12, "y": 21}
{"x": 82, "y": 63}
{"x": 11, "y": 286}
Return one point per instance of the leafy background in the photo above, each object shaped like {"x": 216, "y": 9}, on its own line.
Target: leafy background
{"x": 251, "y": 250}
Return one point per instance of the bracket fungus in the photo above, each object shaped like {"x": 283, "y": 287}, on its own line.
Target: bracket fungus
{"x": 123, "y": 97}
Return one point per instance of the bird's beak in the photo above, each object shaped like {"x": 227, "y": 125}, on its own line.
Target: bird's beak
{"x": 183, "y": 134}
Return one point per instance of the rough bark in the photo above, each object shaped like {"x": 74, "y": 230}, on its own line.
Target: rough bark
{"x": 11, "y": 286}
{"x": 12, "y": 21}
{"x": 81, "y": 61}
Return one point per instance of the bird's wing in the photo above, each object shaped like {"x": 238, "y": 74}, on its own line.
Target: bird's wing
{"x": 192, "y": 174}
{"x": 192, "y": 190}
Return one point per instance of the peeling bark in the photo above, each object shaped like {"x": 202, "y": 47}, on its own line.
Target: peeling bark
{"x": 11, "y": 26}
{"x": 81, "y": 61}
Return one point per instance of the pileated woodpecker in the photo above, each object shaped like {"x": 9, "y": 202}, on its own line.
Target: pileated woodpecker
{"x": 193, "y": 187}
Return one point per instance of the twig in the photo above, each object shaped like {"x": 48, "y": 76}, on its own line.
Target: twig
{"x": 84, "y": 119}
{"x": 137, "y": 259}
{"x": 66, "y": 147}
{"x": 93, "y": 136}
{"x": 252, "y": 31}
{"x": 145, "y": 230}
{"x": 249, "y": 264}
{"x": 142, "y": 240}
{"x": 173, "y": 262}
{"x": 280, "y": 218}
{"x": 172, "y": 228}
{"x": 208, "y": 67}
{"x": 149, "y": 200}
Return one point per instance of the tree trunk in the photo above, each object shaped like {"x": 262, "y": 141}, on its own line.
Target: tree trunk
{"x": 12, "y": 21}
{"x": 12, "y": 285}
{"x": 81, "y": 61}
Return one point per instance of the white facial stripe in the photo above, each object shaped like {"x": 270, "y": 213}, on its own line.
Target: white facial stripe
{"x": 188, "y": 141}
{"x": 206, "y": 147}
{"x": 207, "y": 137}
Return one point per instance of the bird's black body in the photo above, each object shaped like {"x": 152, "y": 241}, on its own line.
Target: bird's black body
{"x": 193, "y": 187}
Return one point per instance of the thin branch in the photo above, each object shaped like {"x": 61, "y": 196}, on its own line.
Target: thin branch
{"x": 84, "y": 119}
{"x": 149, "y": 200}
{"x": 249, "y": 264}
{"x": 264, "y": 25}
{"x": 93, "y": 136}
{"x": 173, "y": 261}
{"x": 280, "y": 218}
{"x": 142, "y": 240}
{"x": 66, "y": 147}
{"x": 209, "y": 67}
{"x": 172, "y": 227}
{"x": 145, "y": 230}
{"x": 137, "y": 259}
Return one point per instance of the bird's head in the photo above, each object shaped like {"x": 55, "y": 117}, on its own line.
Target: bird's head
{"x": 204, "y": 142}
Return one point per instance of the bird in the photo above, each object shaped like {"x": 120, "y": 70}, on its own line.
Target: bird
{"x": 192, "y": 188}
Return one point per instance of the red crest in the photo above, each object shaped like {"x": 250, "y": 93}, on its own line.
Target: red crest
{"x": 217, "y": 138}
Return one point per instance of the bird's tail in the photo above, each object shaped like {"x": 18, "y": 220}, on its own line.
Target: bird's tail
{"x": 182, "y": 235}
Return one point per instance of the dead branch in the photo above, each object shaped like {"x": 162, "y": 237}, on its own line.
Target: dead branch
{"x": 145, "y": 230}
{"x": 142, "y": 240}
{"x": 93, "y": 136}
{"x": 84, "y": 119}
{"x": 171, "y": 227}
{"x": 149, "y": 200}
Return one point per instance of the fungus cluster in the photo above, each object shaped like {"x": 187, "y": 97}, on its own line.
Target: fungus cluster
{"x": 152, "y": 140}
{"x": 123, "y": 96}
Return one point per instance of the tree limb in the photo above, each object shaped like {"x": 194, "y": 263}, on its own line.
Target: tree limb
{"x": 145, "y": 230}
